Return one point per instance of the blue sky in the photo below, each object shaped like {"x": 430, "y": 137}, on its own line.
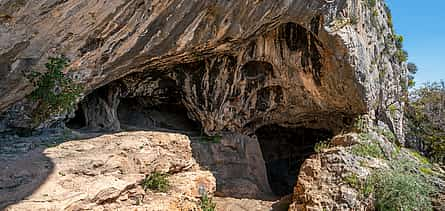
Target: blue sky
{"x": 422, "y": 23}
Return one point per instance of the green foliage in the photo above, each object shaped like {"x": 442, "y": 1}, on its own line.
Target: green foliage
{"x": 367, "y": 187}
{"x": 353, "y": 20}
{"x": 207, "y": 203}
{"x": 420, "y": 157}
{"x": 388, "y": 134}
{"x": 375, "y": 13}
{"x": 156, "y": 182}
{"x": 425, "y": 116}
{"x": 401, "y": 55}
{"x": 396, "y": 189}
{"x": 320, "y": 146}
{"x": 426, "y": 170}
{"x": 411, "y": 83}
{"x": 367, "y": 150}
{"x": 353, "y": 180}
{"x": 399, "y": 41}
{"x": 392, "y": 108}
{"x": 359, "y": 125}
{"x": 209, "y": 139}
{"x": 388, "y": 13}
{"x": 55, "y": 93}
{"x": 372, "y": 3}
{"x": 412, "y": 68}
{"x": 382, "y": 73}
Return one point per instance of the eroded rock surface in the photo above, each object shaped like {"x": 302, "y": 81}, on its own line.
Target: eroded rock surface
{"x": 336, "y": 177}
{"x": 238, "y": 65}
{"x": 105, "y": 173}
{"x": 201, "y": 67}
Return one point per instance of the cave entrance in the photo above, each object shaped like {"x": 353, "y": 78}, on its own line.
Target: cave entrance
{"x": 284, "y": 150}
{"x": 139, "y": 113}
{"x": 152, "y": 102}
{"x": 78, "y": 122}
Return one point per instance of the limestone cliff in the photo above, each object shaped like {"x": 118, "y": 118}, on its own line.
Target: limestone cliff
{"x": 244, "y": 91}
{"x": 238, "y": 65}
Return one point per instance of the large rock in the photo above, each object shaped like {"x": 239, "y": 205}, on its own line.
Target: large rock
{"x": 103, "y": 173}
{"x": 239, "y": 64}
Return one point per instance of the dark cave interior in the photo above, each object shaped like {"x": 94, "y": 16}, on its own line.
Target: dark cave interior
{"x": 136, "y": 113}
{"x": 284, "y": 151}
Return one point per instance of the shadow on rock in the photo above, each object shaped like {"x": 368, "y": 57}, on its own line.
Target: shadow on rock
{"x": 24, "y": 167}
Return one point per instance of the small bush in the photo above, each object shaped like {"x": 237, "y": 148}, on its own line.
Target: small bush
{"x": 399, "y": 190}
{"x": 207, "y": 203}
{"x": 367, "y": 150}
{"x": 427, "y": 171}
{"x": 392, "y": 108}
{"x": 352, "y": 180}
{"x": 399, "y": 41}
{"x": 420, "y": 157}
{"x": 203, "y": 137}
{"x": 320, "y": 146}
{"x": 211, "y": 139}
{"x": 156, "y": 182}
{"x": 55, "y": 93}
{"x": 359, "y": 125}
{"x": 401, "y": 55}
{"x": 388, "y": 134}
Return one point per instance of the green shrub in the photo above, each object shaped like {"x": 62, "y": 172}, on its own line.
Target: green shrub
{"x": 372, "y": 3}
{"x": 401, "y": 55}
{"x": 392, "y": 108}
{"x": 367, "y": 150}
{"x": 203, "y": 137}
{"x": 320, "y": 146}
{"x": 353, "y": 20}
{"x": 156, "y": 182}
{"x": 399, "y": 190}
{"x": 55, "y": 93}
{"x": 399, "y": 41}
{"x": 426, "y": 170}
{"x": 207, "y": 203}
{"x": 353, "y": 180}
{"x": 388, "y": 134}
{"x": 420, "y": 157}
{"x": 359, "y": 125}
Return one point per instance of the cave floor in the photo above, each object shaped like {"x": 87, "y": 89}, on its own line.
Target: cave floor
{"x": 64, "y": 170}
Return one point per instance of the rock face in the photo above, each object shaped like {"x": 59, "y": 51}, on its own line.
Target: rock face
{"x": 238, "y": 65}
{"x": 255, "y": 84}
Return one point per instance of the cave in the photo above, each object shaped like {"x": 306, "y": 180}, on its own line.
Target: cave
{"x": 284, "y": 151}
{"x": 78, "y": 121}
{"x": 138, "y": 113}
{"x": 137, "y": 102}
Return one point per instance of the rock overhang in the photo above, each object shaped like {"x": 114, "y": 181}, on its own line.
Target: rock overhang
{"x": 315, "y": 81}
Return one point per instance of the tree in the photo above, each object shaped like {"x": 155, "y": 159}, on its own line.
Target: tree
{"x": 426, "y": 120}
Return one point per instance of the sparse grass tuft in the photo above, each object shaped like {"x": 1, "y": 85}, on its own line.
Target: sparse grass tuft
{"x": 426, "y": 170}
{"x": 420, "y": 157}
{"x": 320, "y": 146}
{"x": 352, "y": 180}
{"x": 367, "y": 150}
{"x": 157, "y": 182}
{"x": 207, "y": 203}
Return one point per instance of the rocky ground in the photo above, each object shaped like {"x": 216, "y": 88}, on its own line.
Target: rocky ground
{"x": 67, "y": 170}
{"x": 104, "y": 172}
